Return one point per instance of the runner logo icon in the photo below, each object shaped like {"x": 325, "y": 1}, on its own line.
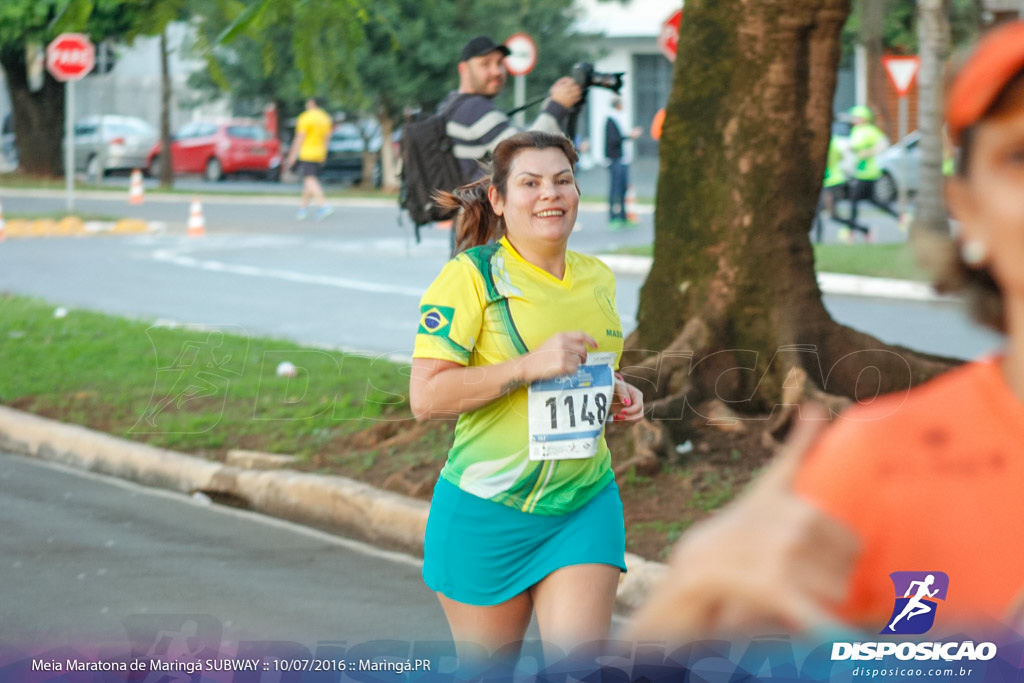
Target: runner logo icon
{"x": 917, "y": 596}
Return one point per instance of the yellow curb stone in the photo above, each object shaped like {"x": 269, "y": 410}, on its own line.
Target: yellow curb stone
{"x": 43, "y": 227}
{"x": 130, "y": 226}
{"x": 71, "y": 225}
{"x": 17, "y": 228}
{"x": 74, "y": 225}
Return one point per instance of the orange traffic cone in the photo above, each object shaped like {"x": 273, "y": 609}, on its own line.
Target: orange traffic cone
{"x": 196, "y": 224}
{"x": 1, "y": 222}
{"x": 631, "y": 205}
{"x": 136, "y": 193}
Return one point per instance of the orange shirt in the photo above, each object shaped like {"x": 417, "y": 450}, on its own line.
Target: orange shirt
{"x": 657, "y": 123}
{"x": 929, "y": 480}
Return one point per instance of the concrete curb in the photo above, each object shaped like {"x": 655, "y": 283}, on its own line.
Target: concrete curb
{"x": 328, "y": 502}
{"x": 830, "y": 283}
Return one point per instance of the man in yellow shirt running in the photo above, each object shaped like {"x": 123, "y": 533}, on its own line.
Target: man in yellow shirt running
{"x": 312, "y": 133}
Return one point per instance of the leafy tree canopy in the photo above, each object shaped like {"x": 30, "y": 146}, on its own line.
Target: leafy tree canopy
{"x": 899, "y": 26}
{"x": 404, "y": 56}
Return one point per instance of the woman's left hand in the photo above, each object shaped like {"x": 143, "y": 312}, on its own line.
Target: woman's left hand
{"x": 628, "y": 401}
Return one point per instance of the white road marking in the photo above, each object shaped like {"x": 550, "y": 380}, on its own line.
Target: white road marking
{"x": 179, "y": 258}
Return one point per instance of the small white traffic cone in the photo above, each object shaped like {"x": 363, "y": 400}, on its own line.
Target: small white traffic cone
{"x": 2, "y": 223}
{"x": 196, "y": 223}
{"x": 136, "y": 193}
{"x": 631, "y": 205}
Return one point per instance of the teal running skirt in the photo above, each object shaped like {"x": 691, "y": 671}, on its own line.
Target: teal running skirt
{"x": 480, "y": 552}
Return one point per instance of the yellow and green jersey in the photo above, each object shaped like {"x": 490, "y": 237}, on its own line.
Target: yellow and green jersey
{"x": 489, "y": 306}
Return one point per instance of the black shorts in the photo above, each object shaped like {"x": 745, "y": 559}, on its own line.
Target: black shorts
{"x": 308, "y": 168}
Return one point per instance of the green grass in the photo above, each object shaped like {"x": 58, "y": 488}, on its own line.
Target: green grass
{"x": 194, "y": 390}
{"x": 22, "y": 181}
{"x": 873, "y": 260}
{"x": 635, "y": 250}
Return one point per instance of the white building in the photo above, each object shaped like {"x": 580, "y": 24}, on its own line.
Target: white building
{"x": 132, "y": 88}
{"x": 630, "y": 45}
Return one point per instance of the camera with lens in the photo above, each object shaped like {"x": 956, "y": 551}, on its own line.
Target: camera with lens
{"x": 585, "y": 76}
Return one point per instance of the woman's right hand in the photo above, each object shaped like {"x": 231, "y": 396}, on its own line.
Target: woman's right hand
{"x": 561, "y": 354}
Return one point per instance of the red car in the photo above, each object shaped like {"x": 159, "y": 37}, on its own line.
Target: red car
{"x": 219, "y": 149}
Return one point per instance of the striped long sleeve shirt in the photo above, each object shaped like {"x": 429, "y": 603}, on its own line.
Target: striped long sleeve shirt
{"x": 476, "y": 127}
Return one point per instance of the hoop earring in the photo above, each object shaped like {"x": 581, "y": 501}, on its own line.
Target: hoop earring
{"x": 973, "y": 252}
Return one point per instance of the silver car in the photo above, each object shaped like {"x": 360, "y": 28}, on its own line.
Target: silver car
{"x": 900, "y": 168}
{"x": 112, "y": 143}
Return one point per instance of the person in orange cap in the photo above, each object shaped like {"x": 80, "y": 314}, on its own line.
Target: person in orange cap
{"x": 926, "y": 482}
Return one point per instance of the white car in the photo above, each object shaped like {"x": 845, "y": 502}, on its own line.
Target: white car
{"x": 112, "y": 143}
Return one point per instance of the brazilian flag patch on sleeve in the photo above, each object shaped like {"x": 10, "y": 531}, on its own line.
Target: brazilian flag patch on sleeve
{"x": 436, "y": 320}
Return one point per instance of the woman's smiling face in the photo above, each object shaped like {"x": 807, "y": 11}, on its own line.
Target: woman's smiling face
{"x": 541, "y": 198}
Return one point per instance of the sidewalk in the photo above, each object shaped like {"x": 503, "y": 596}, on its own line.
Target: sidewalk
{"x": 830, "y": 283}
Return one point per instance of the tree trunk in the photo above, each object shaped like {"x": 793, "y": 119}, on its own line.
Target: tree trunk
{"x": 388, "y": 162}
{"x": 166, "y": 168}
{"x": 872, "y": 14}
{"x": 38, "y": 118}
{"x": 731, "y": 309}
{"x": 934, "y": 40}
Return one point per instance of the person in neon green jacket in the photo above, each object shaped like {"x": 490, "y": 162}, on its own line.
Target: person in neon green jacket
{"x": 866, "y": 141}
{"x": 833, "y": 187}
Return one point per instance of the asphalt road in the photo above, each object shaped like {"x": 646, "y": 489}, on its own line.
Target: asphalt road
{"x": 89, "y": 560}
{"x": 352, "y": 281}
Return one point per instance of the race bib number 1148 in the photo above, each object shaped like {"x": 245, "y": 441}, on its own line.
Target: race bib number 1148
{"x": 567, "y": 414}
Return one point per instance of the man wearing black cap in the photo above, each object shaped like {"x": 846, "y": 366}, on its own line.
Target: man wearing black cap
{"x": 474, "y": 124}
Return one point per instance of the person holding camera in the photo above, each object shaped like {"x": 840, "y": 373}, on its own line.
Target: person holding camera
{"x": 519, "y": 338}
{"x": 475, "y": 125}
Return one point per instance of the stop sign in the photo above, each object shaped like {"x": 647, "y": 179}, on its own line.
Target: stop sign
{"x": 70, "y": 56}
{"x": 668, "y": 38}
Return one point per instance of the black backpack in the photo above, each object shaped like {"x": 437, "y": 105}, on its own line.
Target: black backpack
{"x": 428, "y": 166}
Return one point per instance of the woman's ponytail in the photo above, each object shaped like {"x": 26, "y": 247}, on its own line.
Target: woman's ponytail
{"x": 476, "y": 223}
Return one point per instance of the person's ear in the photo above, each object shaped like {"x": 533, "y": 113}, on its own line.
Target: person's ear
{"x": 497, "y": 203}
